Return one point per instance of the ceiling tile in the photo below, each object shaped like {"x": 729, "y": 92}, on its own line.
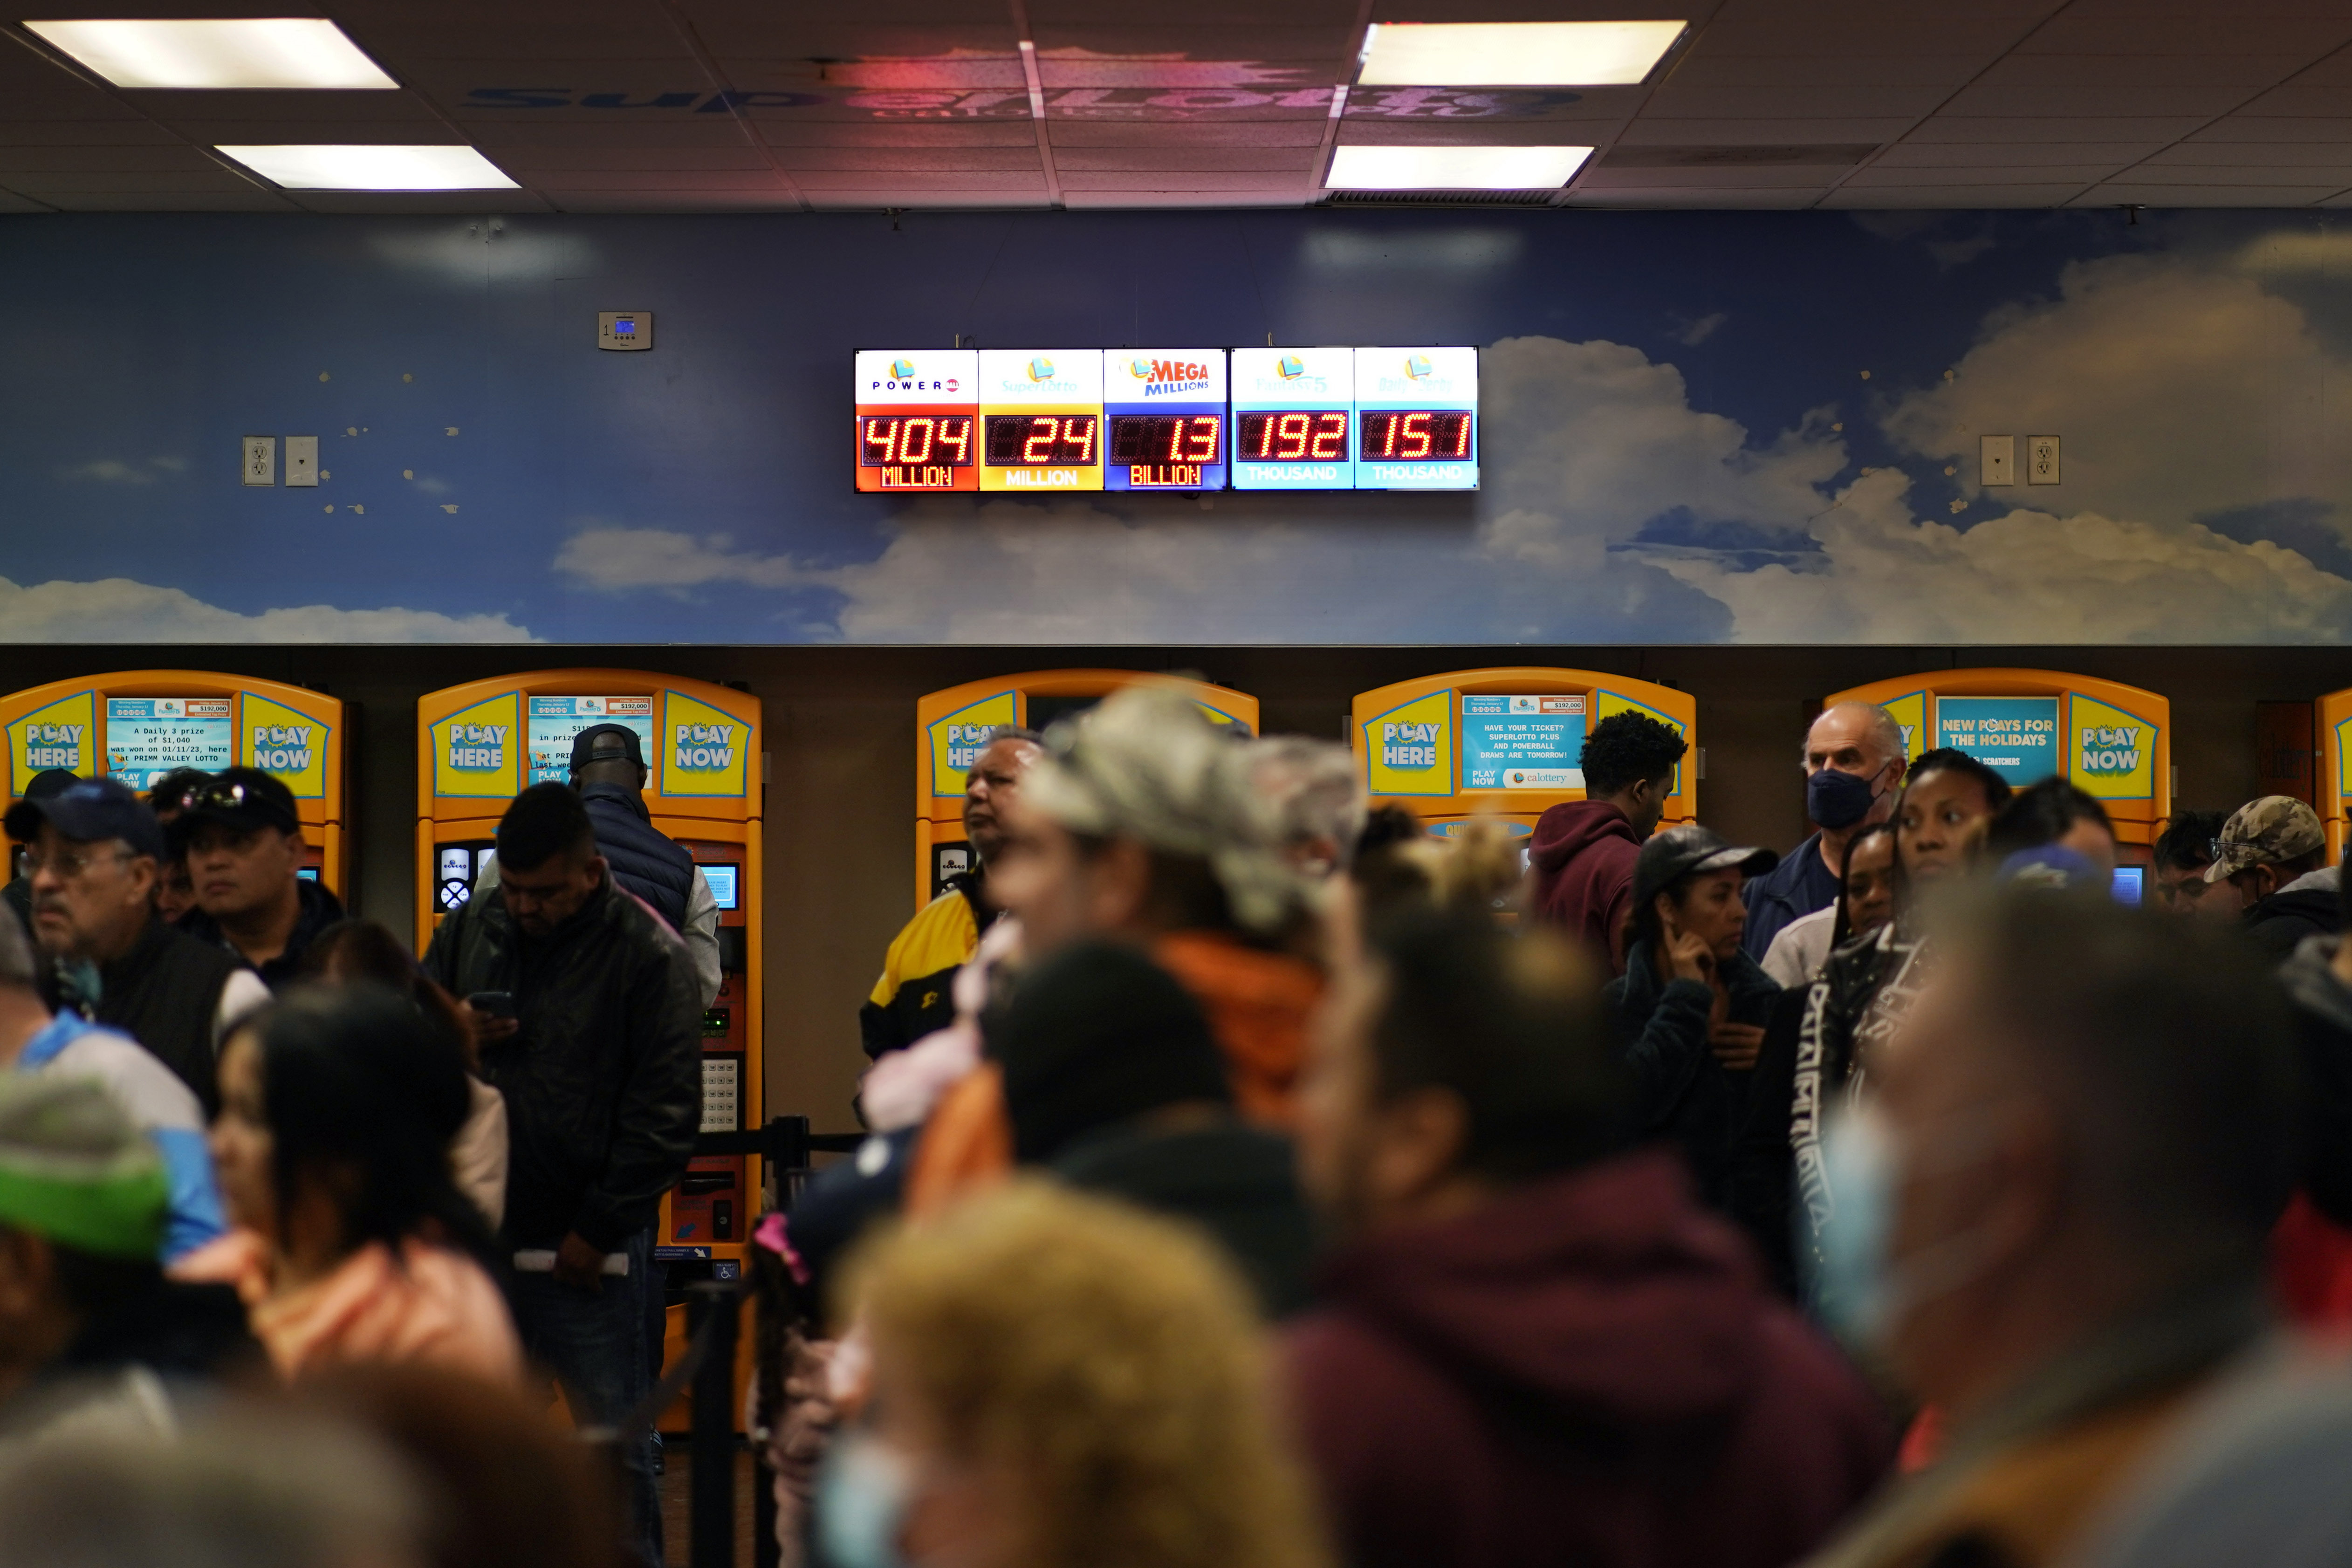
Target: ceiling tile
{"x": 2020, "y": 155}
{"x": 2283, "y": 156}
{"x": 1290, "y": 197}
{"x": 1950, "y": 198}
{"x": 1646, "y": 131}
{"x": 10, "y": 202}
{"x": 2084, "y": 128}
{"x": 1678, "y": 102}
{"x": 2055, "y": 101}
{"x": 1811, "y": 177}
{"x": 910, "y": 160}
{"x": 2075, "y": 72}
{"x": 1181, "y": 179}
{"x": 1983, "y": 174}
{"x": 2216, "y": 32}
{"x": 1724, "y": 196}
{"x": 2261, "y": 127}
{"x": 2117, "y": 194}
{"x": 1164, "y": 158}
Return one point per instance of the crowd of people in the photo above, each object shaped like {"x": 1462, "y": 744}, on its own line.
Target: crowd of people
{"x": 1254, "y": 1180}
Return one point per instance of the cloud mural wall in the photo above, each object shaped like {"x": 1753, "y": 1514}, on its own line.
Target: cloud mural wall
{"x": 1698, "y": 427}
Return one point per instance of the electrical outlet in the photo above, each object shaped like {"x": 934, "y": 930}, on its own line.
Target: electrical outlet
{"x": 1996, "y": 460}
{"x": 623, "y": 330}
{"x": 2042, "y": 460}
{"x": 302, "y": 461}
{"x": 261, "y": 460}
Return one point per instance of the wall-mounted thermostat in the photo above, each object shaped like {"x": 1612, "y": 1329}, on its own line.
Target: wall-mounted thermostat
{"x": 261, "y": 460}
{"x": 625, "y": 328}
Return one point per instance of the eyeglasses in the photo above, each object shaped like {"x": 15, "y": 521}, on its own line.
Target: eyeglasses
{"x": 67, "y": 864}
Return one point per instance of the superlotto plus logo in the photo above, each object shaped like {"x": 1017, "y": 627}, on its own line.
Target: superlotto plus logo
{"x": 477, "y": 747}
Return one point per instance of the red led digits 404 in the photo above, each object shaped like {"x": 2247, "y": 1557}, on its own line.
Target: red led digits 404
{"x": 940, "y": 439}
{"x": 1295, "y": 437}
{"x": 1040, "y": 440}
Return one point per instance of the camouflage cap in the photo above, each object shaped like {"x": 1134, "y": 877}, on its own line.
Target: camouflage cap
{"x": 2272, "y": 831}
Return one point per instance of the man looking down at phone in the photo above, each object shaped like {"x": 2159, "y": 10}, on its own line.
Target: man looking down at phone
{"x": 599, "y": 1058}
{"x": 1691, "y": 1006}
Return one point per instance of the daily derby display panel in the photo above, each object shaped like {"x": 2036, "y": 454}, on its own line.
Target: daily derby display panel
{"x": 1183, "y": 420}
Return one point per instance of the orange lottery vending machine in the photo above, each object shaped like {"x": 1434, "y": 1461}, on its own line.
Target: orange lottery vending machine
{"x": 1505, "y": 743}
{"x": 2112, "y": 740}
{"x": 480, "y": 743}
{"x": 2335, "y": 780}
{"x": 953, "y": 727}
{"x": 138, "y": 725}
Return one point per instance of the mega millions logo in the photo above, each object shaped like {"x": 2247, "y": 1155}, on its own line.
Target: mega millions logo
{"x": 1163, "y": 378}
{"x": 1416, "y": 366}
{"x": 2113, "y": 751}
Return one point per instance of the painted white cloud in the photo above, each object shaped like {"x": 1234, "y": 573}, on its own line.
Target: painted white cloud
{"x": 118, "y": 610}
{"x": 621, "y": 559}
{"x": 2178, "y": 389}
{"x": 2026, "y": 577}
{"x": 115, "y": 471}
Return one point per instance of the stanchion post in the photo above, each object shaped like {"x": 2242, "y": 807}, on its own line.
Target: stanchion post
{"x": 713, "y": 1499}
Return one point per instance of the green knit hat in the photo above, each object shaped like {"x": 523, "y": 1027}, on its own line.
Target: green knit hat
{"x": 74, "y": 1169}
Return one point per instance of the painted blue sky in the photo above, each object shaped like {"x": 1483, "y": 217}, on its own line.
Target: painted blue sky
{"x": 1681, "y": 443}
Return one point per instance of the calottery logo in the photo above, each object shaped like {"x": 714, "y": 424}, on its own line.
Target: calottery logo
{"x": 1041, "y": 369}
{"x": 903, "y": 369}
{"x": 1416, "y": 366}
{"x": 1290, "y": 367}
{"x": 52, "y": 745}
{"x": 1409, "y": 744}
{"x": 477, "y": 747}
{"x": 2112, "y": 750}
{"x": 283, "y": 747}
{"x": 703, "y": 748}
{"x": 966, "y": 742}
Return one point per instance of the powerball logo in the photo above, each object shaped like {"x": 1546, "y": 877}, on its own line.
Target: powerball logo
{"x": 1162, "y": 377}
{"x": 904, "y": 378}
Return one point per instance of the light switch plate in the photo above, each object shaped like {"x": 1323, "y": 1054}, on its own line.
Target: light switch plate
{"x": 624, "y": 330}
{"x": 261, "y": 460}
{"x": 302, "y": 460}
{"x": 2042, "y": 460}
{"x": 1996, "y": 460}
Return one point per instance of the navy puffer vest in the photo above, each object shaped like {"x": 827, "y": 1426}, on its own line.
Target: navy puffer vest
{"x": 643, "y": 861}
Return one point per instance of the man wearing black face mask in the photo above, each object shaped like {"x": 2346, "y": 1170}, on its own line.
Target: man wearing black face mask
{"x": 1854, "y": 764}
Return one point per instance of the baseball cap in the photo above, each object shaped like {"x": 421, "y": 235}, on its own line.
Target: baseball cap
{"x": 1680, "y": 851}
{"x": 90, "y": 812}
{"x": 239, "y": 799}
{"x": 584, "y": 747}
{"x": 75, "y": 1168}
{"x": 51, "y": 781}
{"x": 2269, "y": 832}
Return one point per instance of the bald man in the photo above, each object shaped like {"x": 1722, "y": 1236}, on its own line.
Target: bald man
{"x": 1854, "y": 761}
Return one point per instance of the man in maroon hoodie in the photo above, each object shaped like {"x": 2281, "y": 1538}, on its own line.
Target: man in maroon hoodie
{"x": 1533, "y": 1347}
{"x": 1583, "y": 853}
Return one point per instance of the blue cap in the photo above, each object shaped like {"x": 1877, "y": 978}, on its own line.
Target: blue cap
{"x": 90, "y": 812}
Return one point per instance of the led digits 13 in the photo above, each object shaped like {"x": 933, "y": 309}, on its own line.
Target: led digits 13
{"x": 1295, "y": 437}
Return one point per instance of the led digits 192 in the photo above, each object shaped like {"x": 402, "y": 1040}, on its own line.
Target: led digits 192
{"x": 1416, "y": 435}
{"x": 1165, "y": 437}
{"x": 936, "y": 440}
{"x": 1295, "y": 437}
{"x": 1041, "y": 440}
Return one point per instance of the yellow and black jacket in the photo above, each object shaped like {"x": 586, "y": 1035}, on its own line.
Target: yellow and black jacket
{"x": 913, "y": 996}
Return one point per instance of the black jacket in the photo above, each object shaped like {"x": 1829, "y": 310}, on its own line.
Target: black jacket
{"x": 604, "y": 1082}
{"x": 2322, "y": 1007}
{"x": 319, "y": 909}
{"x": 1238, "y": 1183}
{"x": 163, "y": 994}
{"x": 643, "y": 860}
{"x": 2280, "y": 923}
{"x": 1680, "y": 1091}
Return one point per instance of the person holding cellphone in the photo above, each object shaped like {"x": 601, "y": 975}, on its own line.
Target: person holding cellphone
{"x": 1691, "y": 1006}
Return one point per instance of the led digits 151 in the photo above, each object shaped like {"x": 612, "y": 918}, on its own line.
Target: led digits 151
{"x": 1416, "y": 436}
{"x": 1295, "y": 437}
{"x": 1040, "y": 440}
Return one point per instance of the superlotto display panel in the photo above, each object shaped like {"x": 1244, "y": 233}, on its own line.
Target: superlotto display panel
{"x": 1044, "y": 420}
{"x": 555, "y": 722}
{"x": 147, "y": 738}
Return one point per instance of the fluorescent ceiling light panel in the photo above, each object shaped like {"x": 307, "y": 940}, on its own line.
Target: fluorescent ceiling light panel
{"x": 1453, "y": 168}
{"x": 1513, "y": 54}
{"x": 368, "y": 167}
{"x": 259, "y": 52}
